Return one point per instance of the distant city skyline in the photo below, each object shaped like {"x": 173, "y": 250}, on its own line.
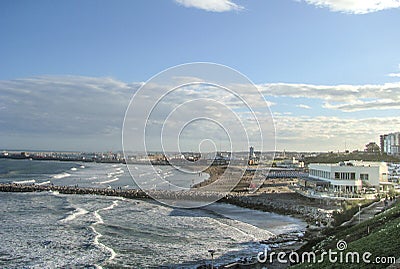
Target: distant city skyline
{"x": 330, "y": 70}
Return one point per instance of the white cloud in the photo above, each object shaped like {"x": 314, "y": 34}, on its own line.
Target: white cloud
{"x": 211, "y": 5}
{"x": 366, "y": 105}
{"x": 303, "y": 106}
{"x": 86, "y": 113}
{"x": 322, "y": 133}
{"x": 395, "y": 75}
{"x": 356, "y": 6}
{"x": 83, "y": 113}
{"x": 175, "y": 110}
{"x": 64, "y": 108}
{"x": 342, "y": 97}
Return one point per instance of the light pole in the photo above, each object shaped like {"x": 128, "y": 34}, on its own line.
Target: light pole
{"x": 211, "y": 251}
{"x": 359, "y": 213}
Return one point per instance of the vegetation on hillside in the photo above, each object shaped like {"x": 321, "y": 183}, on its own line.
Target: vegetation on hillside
{"x": 379, "y": 236}
{"x": 349, "y": 208}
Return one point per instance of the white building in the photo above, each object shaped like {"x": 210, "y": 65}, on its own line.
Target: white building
{"x": 351, "y": 176}
{"x": 290, "y": 163}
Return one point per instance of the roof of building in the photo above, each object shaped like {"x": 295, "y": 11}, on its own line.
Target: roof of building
{"x": 351, "y": 163}
{"x": 315, "y": 180}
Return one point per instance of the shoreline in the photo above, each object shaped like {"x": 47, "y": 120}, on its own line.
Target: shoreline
{"x": 283, "y": 203}
{"x": 266, "y": 202}
{"x": 287, "y": 241}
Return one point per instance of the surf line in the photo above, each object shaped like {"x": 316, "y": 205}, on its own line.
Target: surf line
{"x": 74, "y": 214}
{"x": 99, "y": 220}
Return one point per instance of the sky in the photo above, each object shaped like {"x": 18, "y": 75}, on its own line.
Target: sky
{"x": 329, "y": 70}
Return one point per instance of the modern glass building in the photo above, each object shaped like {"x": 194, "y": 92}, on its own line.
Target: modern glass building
{"x": 390, "y": 143}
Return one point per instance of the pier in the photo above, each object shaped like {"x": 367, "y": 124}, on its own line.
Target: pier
{"x": 189, "y": 195}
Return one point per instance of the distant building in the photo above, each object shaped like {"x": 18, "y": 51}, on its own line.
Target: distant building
{"x": 394, "y": 172}
{"x": 351, "y": 176}
{"x": 191, "y": 156}
{"x": 222, "y": 158}
{"x": 24, "y": 154}
{"x": 251, "y": 153}
{"x": 290, "y": 163}
{"x": 390, "y": 143}
{"x": 254, "y": 156}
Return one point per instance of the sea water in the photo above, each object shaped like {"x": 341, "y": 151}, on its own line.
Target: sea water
{"x": 98, "y": 175}
{"x": 51, "y": 230}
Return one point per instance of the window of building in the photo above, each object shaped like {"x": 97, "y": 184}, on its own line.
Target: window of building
{"x": 364, "y": 176}
{"x": 345, "y": 175}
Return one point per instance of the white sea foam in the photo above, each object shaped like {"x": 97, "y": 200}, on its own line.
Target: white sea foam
{"x": 82, "y": 166}
{"x": 101, "y": 245}
{"x": 76, "y": 213}
{"x": 99, "y": 220}
{"x": 245, "y": 229}
{"x": 114, "y": 204}
{"x": 108, "y": 181}
{"x": 30, "y": 181}
{"x": 43, "y": 183}
{"x": 62, "y": 175}
{"x": 98, "y": 217}
{"x": 74, "y": 169}
{"x": 145, "y": 174}
{"x": 119, "y": 171}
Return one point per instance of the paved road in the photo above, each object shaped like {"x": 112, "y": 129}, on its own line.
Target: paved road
{"x": 368, "y": 212}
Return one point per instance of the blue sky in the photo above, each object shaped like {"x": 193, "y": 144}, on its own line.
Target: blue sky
{"x": 331, "y": 61}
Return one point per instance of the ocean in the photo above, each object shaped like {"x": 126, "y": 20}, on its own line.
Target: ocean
{"x": 52, "y": 230}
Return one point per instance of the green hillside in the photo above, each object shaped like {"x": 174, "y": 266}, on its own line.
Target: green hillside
{"x": 383, "y": 240}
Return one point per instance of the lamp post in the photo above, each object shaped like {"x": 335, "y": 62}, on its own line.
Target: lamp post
{"x": 329, "y": 220}
{"x": 211, "y": 251}
{"x": 359, "y": 213}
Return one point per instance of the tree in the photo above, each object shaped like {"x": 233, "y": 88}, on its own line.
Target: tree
{"x": 372, "y": 147}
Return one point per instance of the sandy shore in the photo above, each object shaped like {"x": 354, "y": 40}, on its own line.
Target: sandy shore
{"x": 286, "y": 203}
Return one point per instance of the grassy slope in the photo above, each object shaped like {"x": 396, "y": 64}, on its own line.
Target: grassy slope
{"x": 383, "y": 240}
